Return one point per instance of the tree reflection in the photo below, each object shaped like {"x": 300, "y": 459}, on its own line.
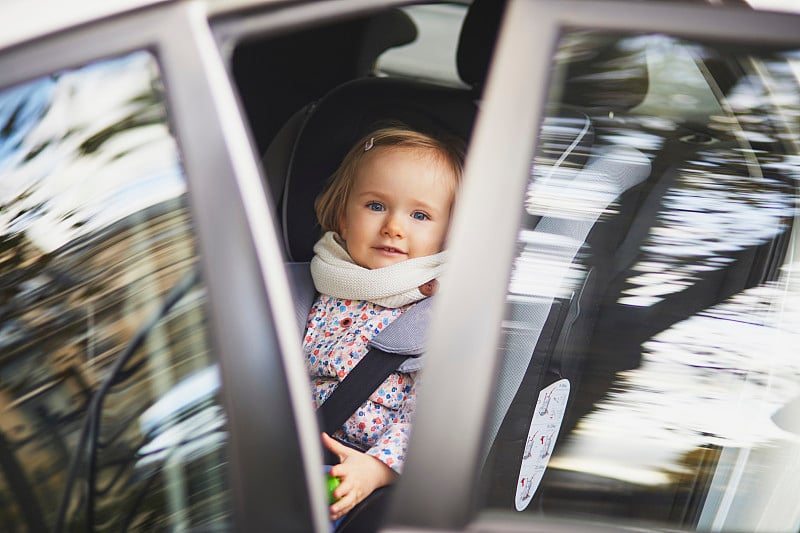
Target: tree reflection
{"x": 94, "y": 229}
{"x": 683, "y": 285}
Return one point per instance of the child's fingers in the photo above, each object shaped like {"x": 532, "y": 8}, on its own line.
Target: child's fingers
{"x": 344, "y": 489}
{"x": 343, "y": 505}
{"x": 335, "y": 446}
{"x": 338, "y": 471}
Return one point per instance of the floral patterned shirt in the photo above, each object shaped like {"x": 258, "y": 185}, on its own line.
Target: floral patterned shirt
{"x": 335, "y": 341}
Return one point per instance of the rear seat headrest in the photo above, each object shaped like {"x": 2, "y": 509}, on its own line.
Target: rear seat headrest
{"x": 601, "y": 71}
{"x": 476, "y": 41}
{"x": 385, "y": 30}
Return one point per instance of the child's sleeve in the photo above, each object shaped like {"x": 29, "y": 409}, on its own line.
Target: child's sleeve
{"x": 392, "y": 446}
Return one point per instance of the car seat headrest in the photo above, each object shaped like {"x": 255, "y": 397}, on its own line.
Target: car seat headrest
{"x": 598, "y": 71}
{"x": 476, "y": 41}
{"x": 383, "y": 31}
{"x": 343, "y": 116}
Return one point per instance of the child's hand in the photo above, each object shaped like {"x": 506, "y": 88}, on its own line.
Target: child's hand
{"x": 430, "y": 288}
{"x": 360, "y": 474}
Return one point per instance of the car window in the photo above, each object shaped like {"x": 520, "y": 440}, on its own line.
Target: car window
{"x": 649, "y": 370}
{"x": 109, "y": 389}
{"x": 432, "y": 55}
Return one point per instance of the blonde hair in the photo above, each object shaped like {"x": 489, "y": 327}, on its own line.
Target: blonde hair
{"x": 330, "y": 204}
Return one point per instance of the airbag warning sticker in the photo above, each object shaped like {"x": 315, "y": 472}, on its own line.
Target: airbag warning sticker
{"x": 547, "y": 417}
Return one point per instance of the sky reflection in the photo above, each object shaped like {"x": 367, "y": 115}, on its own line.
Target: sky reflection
{"x": 83, "y": 149}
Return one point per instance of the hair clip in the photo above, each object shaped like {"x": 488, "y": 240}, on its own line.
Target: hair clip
{"x": 369, "y": 144}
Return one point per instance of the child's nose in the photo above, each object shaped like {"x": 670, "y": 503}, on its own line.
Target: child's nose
{"x": 394, "y": 226}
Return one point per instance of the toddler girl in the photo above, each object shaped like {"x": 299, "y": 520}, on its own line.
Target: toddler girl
{"x": 384, "y": 215}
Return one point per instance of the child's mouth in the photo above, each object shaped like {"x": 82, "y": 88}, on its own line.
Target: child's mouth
{"x": 389, "y": 250}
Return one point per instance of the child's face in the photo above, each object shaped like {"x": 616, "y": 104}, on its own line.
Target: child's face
{"x": 398, "y": 208}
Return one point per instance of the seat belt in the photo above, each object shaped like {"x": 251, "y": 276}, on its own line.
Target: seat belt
{"x": 398, "y": 347}
{"x": 360, "y": 383}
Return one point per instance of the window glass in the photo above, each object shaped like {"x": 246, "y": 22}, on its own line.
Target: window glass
{"x": 650, "y": 369}
{"x": 110, "y": 414}
{"x": 432, "y": 55}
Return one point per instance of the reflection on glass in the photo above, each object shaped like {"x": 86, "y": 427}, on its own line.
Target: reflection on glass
{"x": 670, "y": 300}
{"x": 107, "y": 386}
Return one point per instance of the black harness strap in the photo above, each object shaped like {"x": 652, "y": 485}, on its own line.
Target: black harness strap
{"x": 354, "y": 390}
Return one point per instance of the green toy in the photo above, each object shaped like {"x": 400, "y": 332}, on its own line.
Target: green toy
{"x": 333, "y": 482}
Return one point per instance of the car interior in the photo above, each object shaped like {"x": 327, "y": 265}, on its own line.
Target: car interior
{"x": 307, "y": 107}
{"x": 309, "y": 146}
{"x": 651, "y": 280}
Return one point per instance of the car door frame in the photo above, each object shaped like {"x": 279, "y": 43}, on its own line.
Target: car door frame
{"x": 451, "y": 420}
{"x": 273, "y": 444}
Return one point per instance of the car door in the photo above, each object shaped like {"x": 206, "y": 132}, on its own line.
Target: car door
{"x": 615, "y": 343}
{"x": 144, "y": 384}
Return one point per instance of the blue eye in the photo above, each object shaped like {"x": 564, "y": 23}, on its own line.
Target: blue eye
{"x": 375, "y": 206}
{"x": 419, "y": 215}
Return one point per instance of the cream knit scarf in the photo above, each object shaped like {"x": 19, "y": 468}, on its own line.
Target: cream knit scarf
{"x": 335, "y": 274}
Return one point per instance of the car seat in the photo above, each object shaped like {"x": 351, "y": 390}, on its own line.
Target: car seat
{"x": 331, "y": 126}
{"x": 546, "y": 338}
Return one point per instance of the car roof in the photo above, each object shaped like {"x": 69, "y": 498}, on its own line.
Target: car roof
{"x": 24, "y": 20}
